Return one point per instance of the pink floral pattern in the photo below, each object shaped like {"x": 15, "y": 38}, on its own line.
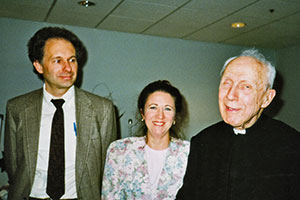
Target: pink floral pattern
{"x": 126, "y": 173}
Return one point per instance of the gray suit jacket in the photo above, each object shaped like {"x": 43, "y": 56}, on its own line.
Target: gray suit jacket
{"x": 96, "y": 129}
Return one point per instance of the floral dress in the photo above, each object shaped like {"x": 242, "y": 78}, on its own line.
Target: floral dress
{"x": 126, "y": 172}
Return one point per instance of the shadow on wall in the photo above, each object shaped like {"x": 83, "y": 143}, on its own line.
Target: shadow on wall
{"x": 185, "y": 117}
{"x": 118, "y": 123}
{"x": 81, "y": 64}
{"x": 274, "y": 108}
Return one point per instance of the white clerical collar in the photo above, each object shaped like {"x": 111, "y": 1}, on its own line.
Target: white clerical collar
{"x": 238, "y": 131}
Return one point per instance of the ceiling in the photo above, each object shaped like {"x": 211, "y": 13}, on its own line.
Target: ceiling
{"x": 269, "y": 23}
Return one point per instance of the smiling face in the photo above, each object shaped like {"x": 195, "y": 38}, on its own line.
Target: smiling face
{"x": 159, "y": 114}
{"x": 242, "y": 92}
{"x": 59, "y": 66}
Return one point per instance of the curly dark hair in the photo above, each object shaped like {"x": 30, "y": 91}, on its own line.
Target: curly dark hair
{"x": 37, "y": 43}
{"x": 164, "y": 86}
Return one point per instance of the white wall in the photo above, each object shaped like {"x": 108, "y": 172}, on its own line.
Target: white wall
{"x": 120, "y": 65}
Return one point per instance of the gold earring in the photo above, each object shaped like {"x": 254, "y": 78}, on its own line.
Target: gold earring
{"x": 142, "y": 120}
{"x": 174, "y": 122}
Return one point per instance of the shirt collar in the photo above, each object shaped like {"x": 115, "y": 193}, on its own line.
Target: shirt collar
{"x": 67, "y": 96}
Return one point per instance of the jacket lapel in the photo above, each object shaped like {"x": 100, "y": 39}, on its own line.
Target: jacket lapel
{"x": 167, "y": 175}
{"x": 84, "y": 117}
{"x": 33, "y": 110}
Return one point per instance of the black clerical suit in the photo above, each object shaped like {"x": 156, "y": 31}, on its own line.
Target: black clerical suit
{"x": 263, "y": 164}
